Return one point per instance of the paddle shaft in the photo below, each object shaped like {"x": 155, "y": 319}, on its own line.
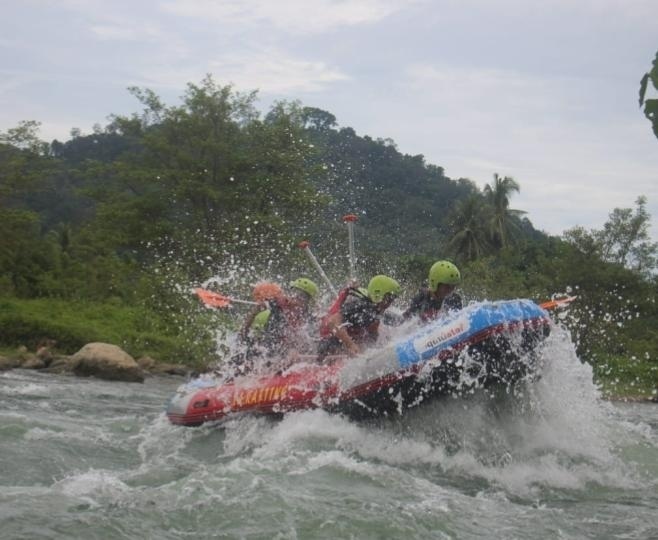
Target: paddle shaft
{"x": 305, "y": 246}
{"x": 350, "y": 219}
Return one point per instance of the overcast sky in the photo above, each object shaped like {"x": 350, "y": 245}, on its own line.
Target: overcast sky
{"x": 544, "y": 91}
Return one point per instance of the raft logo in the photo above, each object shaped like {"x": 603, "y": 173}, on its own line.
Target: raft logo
{"x": 258, "y": 395}
{"x": 445, "y": 334}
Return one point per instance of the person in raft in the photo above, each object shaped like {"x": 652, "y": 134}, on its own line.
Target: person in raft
{"x": 278, "y": 325}
{"x": 290, "y": 317}
{"x": 440, "y": 297}
{"x": 253, "y": 325}
{"x": 352, "y": 322}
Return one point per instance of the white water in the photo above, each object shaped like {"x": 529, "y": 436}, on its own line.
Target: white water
{"x": 82, "y": 458}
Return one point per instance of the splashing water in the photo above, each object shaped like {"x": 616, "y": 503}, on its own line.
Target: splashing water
{"x": 87, "y": 458}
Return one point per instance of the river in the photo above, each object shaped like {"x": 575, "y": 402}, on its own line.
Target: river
{"x": 84, "y": 458}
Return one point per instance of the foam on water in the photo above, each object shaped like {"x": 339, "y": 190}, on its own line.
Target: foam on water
{"x": 29, "y": 389}
{"x": 555, "y": 432}
{"x": 94, "y": 485}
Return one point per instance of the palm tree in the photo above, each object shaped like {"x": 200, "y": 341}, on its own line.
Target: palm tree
{"x": 503, "y": 222}
{"x": 470, "y": 240}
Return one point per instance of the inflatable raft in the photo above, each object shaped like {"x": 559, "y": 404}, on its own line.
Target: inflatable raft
{"x": 483, "y": 344}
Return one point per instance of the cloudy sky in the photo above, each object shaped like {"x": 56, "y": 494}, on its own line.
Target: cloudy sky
{"x": 544, "y": 91}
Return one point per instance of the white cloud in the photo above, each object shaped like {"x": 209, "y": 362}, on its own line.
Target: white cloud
{"x": 269, "y": 71}
{"x": 298, "y": 16}
{"x": 275, "y": 72}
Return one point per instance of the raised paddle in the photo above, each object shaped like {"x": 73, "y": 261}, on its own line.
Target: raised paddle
{"x": 350, "y": 220}
{"x": 305, "y": 246}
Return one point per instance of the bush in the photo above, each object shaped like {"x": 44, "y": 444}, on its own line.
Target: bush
{"x": 73, "y": 324}
{"x": 622, "y": 377}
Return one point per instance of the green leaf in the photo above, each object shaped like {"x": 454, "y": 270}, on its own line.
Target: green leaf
{"x": 643, "y": 87}
{"x": 651, "y": 108}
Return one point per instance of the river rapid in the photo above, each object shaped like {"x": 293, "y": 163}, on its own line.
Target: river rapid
{"x": 84, "y": 458}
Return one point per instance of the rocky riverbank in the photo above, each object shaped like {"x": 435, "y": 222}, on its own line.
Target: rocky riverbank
{"x": 101, "y": 360}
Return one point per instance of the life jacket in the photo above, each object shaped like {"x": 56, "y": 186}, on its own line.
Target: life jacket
{"x": 343, "y": 294}
{"x": 431, "y": 309}
{"x": 285, "y": 317}
{"x": 260, "y": 322}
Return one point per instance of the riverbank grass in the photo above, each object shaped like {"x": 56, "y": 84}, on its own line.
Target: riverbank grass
{"x": 631, "y": 378}
{"x": 73, "y": 324}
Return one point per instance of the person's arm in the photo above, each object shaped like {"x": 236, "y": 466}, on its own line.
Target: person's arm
{"x": 414, "y": 306}
{"x": 338, "y": 329}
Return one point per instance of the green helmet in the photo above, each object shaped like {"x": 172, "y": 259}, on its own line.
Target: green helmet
{"x": 443, "y": 272}
{"x": 306, "y": 285}
{"x": 260, "y": 321}
{"x": 380, "y": 286}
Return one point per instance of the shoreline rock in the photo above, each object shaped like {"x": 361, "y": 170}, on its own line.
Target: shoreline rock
{"x": 99, "y": 360}
{"x": 105, "y": 361}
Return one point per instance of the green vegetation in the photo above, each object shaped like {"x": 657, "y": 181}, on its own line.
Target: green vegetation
{"x": 74, "y": 323}
{"x": 102, "y": 236}
{"x": 650, "y": 105}
{"x": 620, "y": 377}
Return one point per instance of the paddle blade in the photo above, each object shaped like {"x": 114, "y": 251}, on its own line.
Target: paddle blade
{"x": 561, "y": 302}
{"x": 213, "y": 299}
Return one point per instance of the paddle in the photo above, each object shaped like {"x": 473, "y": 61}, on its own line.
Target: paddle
{"x": 561, "y": 302}
{"x": 350, "y": 219}
{"x": 216, "y": 300}
{"x": 305, "y": 245}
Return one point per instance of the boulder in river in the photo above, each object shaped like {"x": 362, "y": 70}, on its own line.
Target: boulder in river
{"x": 32, "y": 362}
{"x": 9, "y": 363}
{"x": 106, "y": 361}
{"x": 60, "y": 364}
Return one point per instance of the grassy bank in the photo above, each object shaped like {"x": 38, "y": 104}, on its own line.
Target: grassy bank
{"x": 73, "y": 324}
{"x": 621, "y": 377}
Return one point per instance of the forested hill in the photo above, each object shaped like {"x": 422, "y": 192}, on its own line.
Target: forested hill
{"x": 404, "y": 204}
{"x": 210, "y": 172}
{"x": 175, "y": 194}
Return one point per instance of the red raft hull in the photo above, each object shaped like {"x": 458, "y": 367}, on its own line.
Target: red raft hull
{"x": 304, "y": 387}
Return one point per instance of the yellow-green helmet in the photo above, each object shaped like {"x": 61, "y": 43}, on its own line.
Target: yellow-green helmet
{"x": 380, "y": 286}
{"x": 259, "y": 322}
{"x": 306, "y": 285}
{"x": 443, "y": 272}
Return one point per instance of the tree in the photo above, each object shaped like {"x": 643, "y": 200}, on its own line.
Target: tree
{"x": 25, "y": 136}
{"x": 503, "y": 221}
{"x": 207, "y": 172}
{"x": 24, "y": 162}
{"x": 624, "y": 239}
{"x": 650, "y": 105}
{"x": 470, "y": 239}
{"x": 318, "y": 119}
